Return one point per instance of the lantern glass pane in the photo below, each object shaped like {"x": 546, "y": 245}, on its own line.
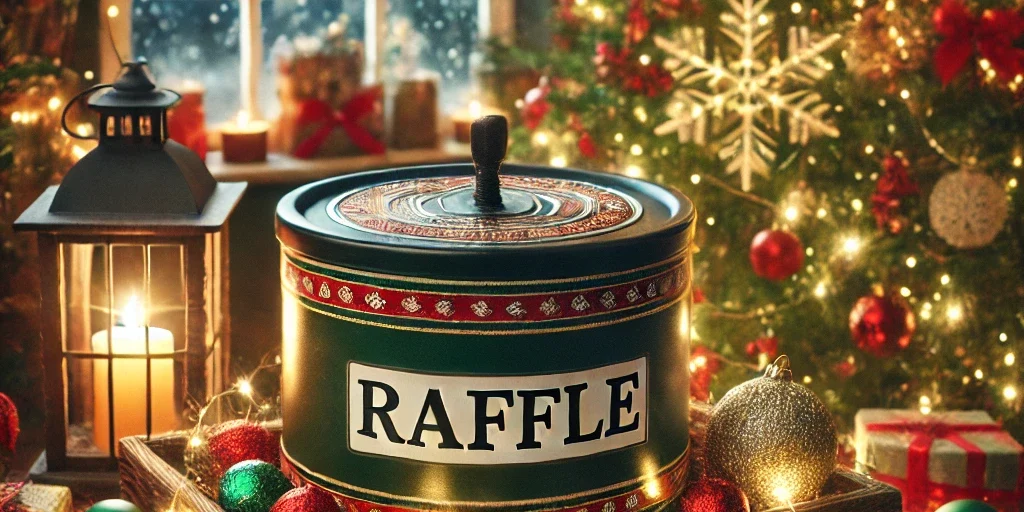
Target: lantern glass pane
{"x": 126, "y": 125}
{"x": 124, "y": 339}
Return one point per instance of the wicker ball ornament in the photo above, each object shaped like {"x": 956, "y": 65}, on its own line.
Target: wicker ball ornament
{"x": 252, "y": 486}
{"x": 967, "y": 209}
{"x": 773, "y": 438}
{"x": 306, "y": 499}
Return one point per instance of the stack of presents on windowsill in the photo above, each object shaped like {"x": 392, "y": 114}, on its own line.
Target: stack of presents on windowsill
{"x": 327, "y": 111}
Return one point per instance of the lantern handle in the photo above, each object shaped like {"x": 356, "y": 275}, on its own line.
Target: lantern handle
{"x": 64, "y": 114}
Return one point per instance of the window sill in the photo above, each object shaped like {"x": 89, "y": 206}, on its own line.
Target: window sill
{"x": 285, "y": 169}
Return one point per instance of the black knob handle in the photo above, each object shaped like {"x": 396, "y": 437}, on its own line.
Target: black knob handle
{"x": 488, "y": 141}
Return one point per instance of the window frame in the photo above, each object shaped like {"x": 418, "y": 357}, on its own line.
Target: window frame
{"x": 496, "y": 18}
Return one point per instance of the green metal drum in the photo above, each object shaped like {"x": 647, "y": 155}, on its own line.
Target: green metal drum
{"x": 444, "y": 353}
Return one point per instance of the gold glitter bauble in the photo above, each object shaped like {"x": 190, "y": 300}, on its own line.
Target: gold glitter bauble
{"x": 967, "y": 209}
{"x": 773, "y": 438}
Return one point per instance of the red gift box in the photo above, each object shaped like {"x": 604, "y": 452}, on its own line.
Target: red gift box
{"x": 941, "y": 457}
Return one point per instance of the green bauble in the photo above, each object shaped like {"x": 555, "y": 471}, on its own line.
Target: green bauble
{"x": 967, "y": 506}
{"x": 773, "y": 438}
{"x": 114, "y": 506}
{"x": 252, "y": 486}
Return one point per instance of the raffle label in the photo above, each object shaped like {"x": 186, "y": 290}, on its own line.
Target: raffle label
{"x": 494, "y": 420}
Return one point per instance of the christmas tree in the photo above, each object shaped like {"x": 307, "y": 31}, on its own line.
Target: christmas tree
{"x": 854, "y": 166}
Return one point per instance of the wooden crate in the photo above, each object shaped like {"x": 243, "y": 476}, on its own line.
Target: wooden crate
{"x": 153, "y": 477}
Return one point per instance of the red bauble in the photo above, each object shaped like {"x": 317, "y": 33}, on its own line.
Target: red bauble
{"x": 9, "y": 429}
{"x": 881, "y": 326}
{"x": 776, "y": 254}
{"x": 306, "y": 499}
{"x": 236, "y": 441}
{"x": 535, "y": 104}
{"x": 714, "y": 495}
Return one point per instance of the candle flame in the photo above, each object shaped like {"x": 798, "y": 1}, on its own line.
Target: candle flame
{"x": 475, "y": 109}
{"x": 133, "y": 314}
{"x": 243, "y": 118}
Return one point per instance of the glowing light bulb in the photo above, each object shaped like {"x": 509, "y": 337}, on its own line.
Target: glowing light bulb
{"x": 113, "y": 11}
{"x": 904, "y": 291}
{"x": 791, "y": 213}
{"x": 925, "y": 404}
{"x": 53, "y": 104}
{"x": 15, "y": 117}
{"x": 978, "y": 374}
{"x": 869, "y": 149}
{"x": 821, "y": 213}
{"x": 905, "y": 94}
{"x": 1010, "y": 393}
{"x": 695, "y": 178}
{"x": 195, "y": 442}
{"x": 857, "y": 205}
{"x": 636, "y": 150}
{"x": 711, "y": 221}
{"x": 475, "y": 109}
{"x": 559, "y": 161}
{"x": 1003, "y": 337}
{"x": 944, "y": 279}
{"x": 809, "y": 251}
{"x": 1018, "y": 161}
{"x": 807, "y": 379}
{"x": 955, "y": 313}
{"x": 851, "y": 245}
{"x": 597, "y": 12}
{"x": 911, "y": 262}
{"x": 634, "y": 171}
{"x": 796, "y": 7}
{"x": 645, "y": 59}
{"x": 88, "y": 75}
{"x": 820, "y": 291}
{"x": 1009, "y": 359}
{"x": 244, "y": 387}
{"x": 1012, "y": 182}
{"x": 619, "y": 137}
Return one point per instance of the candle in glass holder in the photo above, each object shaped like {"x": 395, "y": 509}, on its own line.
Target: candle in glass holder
{"x": 129, "y": 379}
{"x": 464, "y": 120}
{"x": 245, "y": 140}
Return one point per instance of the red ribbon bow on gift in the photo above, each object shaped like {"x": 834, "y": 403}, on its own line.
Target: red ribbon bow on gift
{"x": 917, "y": 486}
{"x": 993, "y": 34}
{"x": 347, "y": 118}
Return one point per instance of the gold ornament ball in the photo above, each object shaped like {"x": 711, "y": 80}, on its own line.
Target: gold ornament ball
{"x": 773, "y": 438}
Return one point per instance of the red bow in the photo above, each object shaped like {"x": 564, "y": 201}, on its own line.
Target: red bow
{"x": 317, "y": 111}
{"x": 992, "y": 34}
{"x": 917, "y": 485}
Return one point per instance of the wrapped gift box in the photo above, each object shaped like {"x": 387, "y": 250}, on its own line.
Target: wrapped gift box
{"x": 940, "y": 457}
{"x": 34, "y": 498}
{"x": 354, "y": 128}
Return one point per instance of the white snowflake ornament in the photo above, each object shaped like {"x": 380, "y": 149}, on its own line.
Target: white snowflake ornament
{"x": 967, "y": 209}
{"x": 746, "y": 96}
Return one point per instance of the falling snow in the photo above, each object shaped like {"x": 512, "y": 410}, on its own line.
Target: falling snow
{"x": 741, "y": 101}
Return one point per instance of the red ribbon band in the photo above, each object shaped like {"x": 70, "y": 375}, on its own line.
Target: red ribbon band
{"x": 347, "y": 118}
{"x": 917, "y": 487}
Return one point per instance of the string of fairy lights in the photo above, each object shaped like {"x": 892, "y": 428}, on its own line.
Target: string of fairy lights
{"x": 941, "y": 306}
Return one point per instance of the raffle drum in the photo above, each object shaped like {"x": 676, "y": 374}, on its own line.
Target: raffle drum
{"x": 449, "y": 344}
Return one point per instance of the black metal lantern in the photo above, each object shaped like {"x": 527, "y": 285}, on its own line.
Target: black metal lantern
{"x": 133, "y": 258}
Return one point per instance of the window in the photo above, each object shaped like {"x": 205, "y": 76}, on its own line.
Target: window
{"x": 199, "y": 41}
{"x": 439, "y": 36}
{"x": 195, "y": 41}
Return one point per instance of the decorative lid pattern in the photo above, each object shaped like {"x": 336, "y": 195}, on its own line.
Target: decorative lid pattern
{"x": 439, "y": 208}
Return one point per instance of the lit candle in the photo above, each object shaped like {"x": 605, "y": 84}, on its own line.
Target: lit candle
{"x": 129, "y": 379}
{"x": 463, "y": 121}
{"x": 245, "y": 140}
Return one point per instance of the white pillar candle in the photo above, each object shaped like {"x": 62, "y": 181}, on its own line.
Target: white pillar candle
{"x": 129, "y": 380}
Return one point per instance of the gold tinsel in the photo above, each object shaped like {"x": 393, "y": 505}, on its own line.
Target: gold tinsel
{"x": 773, "y": 438}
